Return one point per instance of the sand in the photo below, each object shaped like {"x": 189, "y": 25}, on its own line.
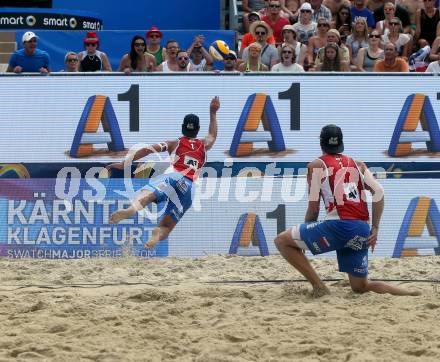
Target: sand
{"x": 172, "y": 314}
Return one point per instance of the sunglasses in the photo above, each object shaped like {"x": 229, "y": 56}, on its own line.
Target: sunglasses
{"x": 182, "y": 58}
{"x": 72, "y": 60}
{"x": 306, "y": 11}
{"x": 154, "y": 36}
{"x": 139, "y": 44}
{"x": 374, "y": 36}
{"x": 323, "y": 25}
{"x": 260, "y": 33}
{"x": 274, "y": 6}
{"x": 91, "y": 44}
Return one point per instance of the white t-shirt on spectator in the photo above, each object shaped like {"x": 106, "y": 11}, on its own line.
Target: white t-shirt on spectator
{"x": 433, "y": 67}
{"x": 293, "y": 68}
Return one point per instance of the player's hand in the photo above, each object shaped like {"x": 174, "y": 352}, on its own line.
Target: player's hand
{"x": 215, "y": 104}
{"x": 372, "y": 239}
{"x": 117, "y": 165}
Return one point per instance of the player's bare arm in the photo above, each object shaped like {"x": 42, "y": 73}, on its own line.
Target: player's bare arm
{"x": 212, "y": 131}
{"x": 166, "y": 146}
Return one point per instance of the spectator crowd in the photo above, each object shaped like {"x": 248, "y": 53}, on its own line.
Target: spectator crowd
{"x": 288, "y": 36}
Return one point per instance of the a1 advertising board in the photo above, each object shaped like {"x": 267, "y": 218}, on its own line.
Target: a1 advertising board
{"x": 262, "y": 119}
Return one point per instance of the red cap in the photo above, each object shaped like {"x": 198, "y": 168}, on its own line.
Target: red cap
{"x": 153, "y": 29}
{"x": 91, "y": 37}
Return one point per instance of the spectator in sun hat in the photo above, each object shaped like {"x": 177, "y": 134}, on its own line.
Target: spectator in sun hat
{"x": 289, "y": 37}
{"x": 154, "y": 37}
{"x": 92, "y": 59}
{"x": 249, "y": 38}
{"x": 305, "y": 27}
{"x": 269, "y": 54}
{"x": 29, "y": 59}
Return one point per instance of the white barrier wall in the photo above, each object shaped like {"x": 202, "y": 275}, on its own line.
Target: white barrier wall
{"x": 40, "y": 115}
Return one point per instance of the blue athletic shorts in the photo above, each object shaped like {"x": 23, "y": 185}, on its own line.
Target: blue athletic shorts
{"x": 175, "y": 190}
{"x": 348, "y": 237}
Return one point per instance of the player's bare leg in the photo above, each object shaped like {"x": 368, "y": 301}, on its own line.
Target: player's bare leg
{"x": 295, "y": 257}
{"x": 161, "y": 232}
{"x": 363, "y": 285}
{"x": 145, "y": 197}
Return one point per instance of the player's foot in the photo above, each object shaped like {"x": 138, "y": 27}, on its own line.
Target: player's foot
{"x": 320, "y": 291}
{"x": 414, "y": 293}
{"x": 118, "y": 216}
{"x": 150, "y": 243}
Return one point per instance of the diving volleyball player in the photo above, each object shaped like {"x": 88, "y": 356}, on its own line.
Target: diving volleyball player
{"x": 188, "y": 155}
{"x": 341, "y": 182}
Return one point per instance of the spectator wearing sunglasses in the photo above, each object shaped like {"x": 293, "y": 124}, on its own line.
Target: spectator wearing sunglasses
{"x": 92, "y": 59}
{"x": 275, "y": 20}
{"x": 287, "y": 64}
{"x": 183, "y": 63}
{"x": 403, "y": 42}
{"x": 200, "y": 59}
{"x": 154, "y": 37}
{"x": 137, "y": 60}
{"x": 305, "y": 28}
{"x": 249, "y": 38}
{"x": 70, "y": 62}
{"x": 269, "y": 54}
{"x": 367, "y": 57}
{"x": 343, "y": 22}
{"x": 400, "y": 12}
{"x": 253, "y": 62}
{"x": 29, "y": 59}
{"x": 230, "y": 63}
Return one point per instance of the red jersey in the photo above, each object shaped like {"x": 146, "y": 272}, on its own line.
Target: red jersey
{"x": 342, "y": 189}
{"x": 189, "y": 158}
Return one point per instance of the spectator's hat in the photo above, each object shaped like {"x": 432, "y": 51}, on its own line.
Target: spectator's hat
{"x": 259, "y": 23}
{"x": 334, "y": 31}
{"x": 28, "y": 36}
{"x": 254, "y": 14}
{"x": 331, "y": 139}
{"x": 288, "y": 27}
{"x": 91, "y": 37}
{"x": 306, "y": 7}
{"x": 191, "y": 125}
{"x": 153, "y": 29}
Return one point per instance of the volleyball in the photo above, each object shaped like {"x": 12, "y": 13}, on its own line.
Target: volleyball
{"x": 219, "y": 49}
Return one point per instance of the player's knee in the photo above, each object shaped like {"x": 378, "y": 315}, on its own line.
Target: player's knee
{"x": 280, "y": 241}
{"x": 360, "y": 288}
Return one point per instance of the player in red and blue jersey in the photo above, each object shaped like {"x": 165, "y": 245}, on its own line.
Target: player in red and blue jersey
{"x": 341, "y": 182}
{"x": 188, "y": 155}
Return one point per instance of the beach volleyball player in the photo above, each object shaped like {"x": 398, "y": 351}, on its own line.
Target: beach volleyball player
{"x": 341, "y": 183}
{"x": 188, "y": 155}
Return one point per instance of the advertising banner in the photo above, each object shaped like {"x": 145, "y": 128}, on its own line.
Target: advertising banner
{"x": 59, "y": 19}
{"x": 385, "y": 119}
{"x": 238, "y": 215}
